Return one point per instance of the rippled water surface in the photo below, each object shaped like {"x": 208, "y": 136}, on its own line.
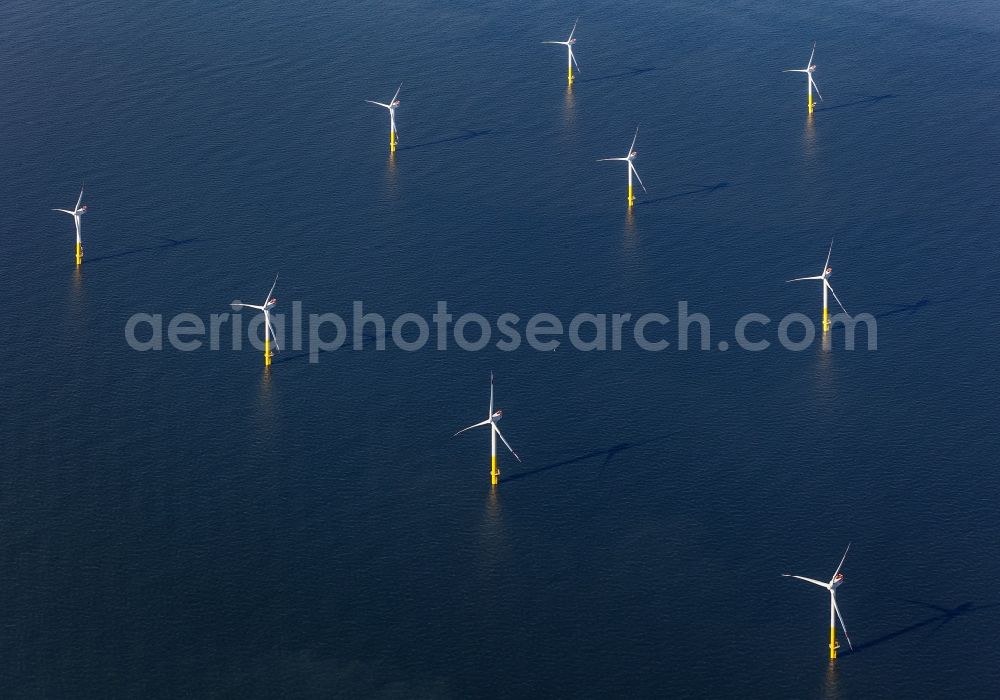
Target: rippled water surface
{"x": 180, "y": 524}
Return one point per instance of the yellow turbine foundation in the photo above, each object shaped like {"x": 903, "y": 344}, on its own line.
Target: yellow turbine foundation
{"x": 810, "y": 103}
{"x": 79, "y": 253}
{"x": 392, "y": 142}
{"x": 631, "y": 198}
{"x": 267, "y": 351}
{"x": 494, "y": 472}
{"x": 569, "y": 76}
{"x": 826, "y": 320}
{"x": 833, "y": 642}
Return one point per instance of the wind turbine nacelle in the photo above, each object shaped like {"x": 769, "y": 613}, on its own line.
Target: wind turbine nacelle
{"x": 812, "y": 68}
{"x": 394, "y": 103}
{"x": 829, "y": 271}
{"x": 271, "y": 302}
{"x": 837, "y": 580}
{"x": 497, "y": 415}
{"x": 571, "y": 41}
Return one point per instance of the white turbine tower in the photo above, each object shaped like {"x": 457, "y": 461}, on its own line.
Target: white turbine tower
{"x": 811, "y": 83}
{"x": 491, "y": 420}
{"x": 393, "y": 103}
{"x": 832, "y": 585}
{"x": 631, "y": 167}
{"x": 269, "y": 301}
{"x": 824, "y": 277}
{"x": 570, "y": 58}
{"x": 76, "y": 213}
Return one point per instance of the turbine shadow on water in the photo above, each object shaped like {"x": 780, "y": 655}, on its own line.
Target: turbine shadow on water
{"x": 170, "y": 243}
{"x": 609, "y": 454}
{"x": 469, "y": 134}
{"x": 911, "y": 308}
{"x": 942, "y": 616}
{"x": 366, "y": 340}
{"x": 698, "y": 189}
{"x": 623, "y": 74}
{"x": 946, "y": 615}
{"x": 874, "y": 99}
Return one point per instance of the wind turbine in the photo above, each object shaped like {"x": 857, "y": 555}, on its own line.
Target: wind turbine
{"x": 827, "y": 271}
{"x": 76, "y": 213}
{"x": 838, "y": 578}
{"x": 808, "y": 70}
{"x": 393, "y": 103}
{"x": 631, "y": 168}
{"x": 269, "y": 302}
{"x": 491, "y": 420}
{"x": 570, "y": 58}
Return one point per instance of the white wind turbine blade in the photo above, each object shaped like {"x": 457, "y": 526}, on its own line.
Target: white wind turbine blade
{"x": 800, "y": 279}
{"x": 239, "y": 305}
{"x": 795, "y": 70}
{"x": 573, "y": 31}
{"x": 274, "y": 337}
{"x": 828, "y": 286}
{"x": 380, "y": 104}
{"x": 815, "y": 86}
{"x": 397, "y": 93}
{"x": 840, "y": 617}
{"x": 573, "y": 57}
{"x": 810, "y": 580}
{"x": 600, "y": 159}
{"x": 813, "y": 53}
{"x": 476, "y": 425}
{"x": 506, "y": 443}
{"x": 554, "y": 42}
{"x": 632, "y": 147}
{"x": 828, "y": 254}
{"x": 66, "y": 211}
{"x": 268, "y": 297}
{"x": 490, "y": 414}
{"x": 636, "y": 172}
{"x": 841, "y": 564}
{"x": 79, "y": 199}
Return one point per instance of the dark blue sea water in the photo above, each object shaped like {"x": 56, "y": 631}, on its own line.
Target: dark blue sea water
{"x": 183, "y": 524}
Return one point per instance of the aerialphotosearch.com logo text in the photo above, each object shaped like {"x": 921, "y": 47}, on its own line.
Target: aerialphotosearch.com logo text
{"x": 471, "y": 332}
